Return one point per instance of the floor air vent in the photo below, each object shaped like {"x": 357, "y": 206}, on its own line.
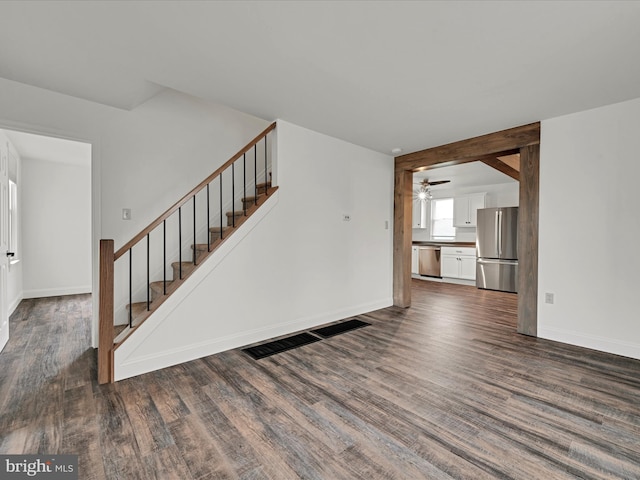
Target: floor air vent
{"x": 339, "y": 328}
{"x": 282, "y": 345}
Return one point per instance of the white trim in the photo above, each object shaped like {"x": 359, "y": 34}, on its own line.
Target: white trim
{"x": 149, "y": 363}
{"x": 15, "y": 303}
{"x": 594, "y": 342}
{"x": 56, "y": 292}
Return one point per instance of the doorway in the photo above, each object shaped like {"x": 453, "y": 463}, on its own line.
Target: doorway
{"x": 50, "y": 217}
{"x": 524, "y": 140}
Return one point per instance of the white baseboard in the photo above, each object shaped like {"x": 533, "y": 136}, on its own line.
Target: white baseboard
{"x": 15, "y": 303}
{"x": 139, "y": 365}
{"x": 56, "y": 292}
{"x": 594, "y": 342}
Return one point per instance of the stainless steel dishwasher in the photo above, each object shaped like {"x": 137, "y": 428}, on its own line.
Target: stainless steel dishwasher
{"x": 429, "y": 260}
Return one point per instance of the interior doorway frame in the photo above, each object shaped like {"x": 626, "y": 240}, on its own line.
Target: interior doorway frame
{"x": 524, "y": 140}
{"x": 96, "y": 222}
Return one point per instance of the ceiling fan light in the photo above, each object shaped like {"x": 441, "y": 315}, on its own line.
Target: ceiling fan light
{"x": 424, "y": 193}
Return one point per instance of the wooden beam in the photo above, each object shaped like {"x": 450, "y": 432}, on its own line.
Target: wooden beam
{"x": 105, "y": 326}
{"x": 402, "y": 233}
{"x": 513, "y": 138}
{"x": 528, "y": 240}
{"x": 524, "y": 140}
{"x": 512, "y": 160}
{"x": 499, "y": 165}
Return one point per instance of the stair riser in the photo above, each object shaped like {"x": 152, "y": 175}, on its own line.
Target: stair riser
{"x": 230, "y": 221}
{"x": 251, "y": 201}
{"x": 158, "y": 291}
{"x": 262, "y": 189}
{"x": 186, "y": 269}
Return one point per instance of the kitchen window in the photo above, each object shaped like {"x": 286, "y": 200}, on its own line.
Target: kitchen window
{"x": 442, "y": 219}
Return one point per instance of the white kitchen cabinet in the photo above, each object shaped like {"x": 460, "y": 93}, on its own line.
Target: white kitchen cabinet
{"x": 458, "y": 263}
{"x": 465, "y": 209}
{"x": 468, "y": 267}
{"x": 419, "y": 214}
{"x": 415, "y": 270}
{"x": 449, "y": 267}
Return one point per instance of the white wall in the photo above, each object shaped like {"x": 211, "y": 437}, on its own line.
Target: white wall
{"x": 56, "y": 228}
{"x": 589, "y": 229}
{"x": 144, "y": 159}
{"x": 301, "y": 266}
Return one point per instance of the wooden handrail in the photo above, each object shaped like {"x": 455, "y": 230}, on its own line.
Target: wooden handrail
{"x": 193, "y": 192}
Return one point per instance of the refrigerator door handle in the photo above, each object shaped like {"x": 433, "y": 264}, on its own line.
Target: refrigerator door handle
{"x": 503, "y": 262}
{"x": 500, "y": 236}
{"x": 496, "y": 226}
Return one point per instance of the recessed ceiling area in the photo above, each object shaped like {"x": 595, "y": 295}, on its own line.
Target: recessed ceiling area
{"x": 472, "y": 174}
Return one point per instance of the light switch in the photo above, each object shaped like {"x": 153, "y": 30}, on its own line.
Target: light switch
{"x": 126, "y": 214}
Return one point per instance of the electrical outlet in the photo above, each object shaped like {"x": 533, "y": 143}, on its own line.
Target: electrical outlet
{"x": 548, "y": 298}
{"x": 126, "y": 214}
{"x": 346, "y": 217}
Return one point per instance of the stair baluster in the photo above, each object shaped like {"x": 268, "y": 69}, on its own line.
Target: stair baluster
{"x": 208, "y": 221}
{"x": 221, "y": 226}
{"x": 195, "y": 250}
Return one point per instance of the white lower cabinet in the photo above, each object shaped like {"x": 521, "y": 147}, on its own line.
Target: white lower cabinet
{"x": 468, "y": 267}
{"x": 414, "y": 261}
{"x": 458, "y": 263}
{"x": 449, "y": 267}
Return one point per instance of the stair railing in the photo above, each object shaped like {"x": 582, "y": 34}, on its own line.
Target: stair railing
{"x": 160, "y": 235}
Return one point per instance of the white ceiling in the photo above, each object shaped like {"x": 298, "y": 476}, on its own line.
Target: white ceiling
{"x": 38, "y": 147}
{"x": 474, "y": 174}
{"x": 381, "y": 74}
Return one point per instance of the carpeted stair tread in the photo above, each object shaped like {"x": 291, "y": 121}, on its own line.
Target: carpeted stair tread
{"x": 137, "y": 309}
{"x": 237, "y": 213}
{"x": 217, "y": 229}
{"x": 214, "y": 232}
{"x": 158, "y": 288}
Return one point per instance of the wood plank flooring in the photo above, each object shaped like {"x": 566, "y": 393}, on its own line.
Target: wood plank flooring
{"x": 445, "y": 389}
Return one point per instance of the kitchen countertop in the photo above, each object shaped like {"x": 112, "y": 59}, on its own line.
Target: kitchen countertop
{"x": 446, "y": 244}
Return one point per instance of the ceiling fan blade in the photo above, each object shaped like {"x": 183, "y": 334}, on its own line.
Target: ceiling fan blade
{"x": 439, "y": 182}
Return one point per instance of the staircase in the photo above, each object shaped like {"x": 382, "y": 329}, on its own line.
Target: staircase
{"x": 143, "y": 300}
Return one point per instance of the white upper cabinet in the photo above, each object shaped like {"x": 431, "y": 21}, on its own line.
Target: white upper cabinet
{"x": 465, "y": 209}
{"x": 419, "y": 213}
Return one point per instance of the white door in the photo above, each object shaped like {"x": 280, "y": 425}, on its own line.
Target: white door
{"x": 4, "y": 244}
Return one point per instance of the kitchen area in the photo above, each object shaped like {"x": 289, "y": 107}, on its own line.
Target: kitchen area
{"x": 465, "y": 226}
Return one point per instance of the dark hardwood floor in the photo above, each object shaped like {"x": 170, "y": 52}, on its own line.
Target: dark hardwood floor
{"x": 445, "y": 389}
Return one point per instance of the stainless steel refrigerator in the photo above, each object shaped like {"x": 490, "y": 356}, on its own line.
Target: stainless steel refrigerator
{"x": 497, "y": 249}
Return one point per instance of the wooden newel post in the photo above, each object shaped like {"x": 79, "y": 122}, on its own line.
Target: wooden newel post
{"x": 105, "y": 329}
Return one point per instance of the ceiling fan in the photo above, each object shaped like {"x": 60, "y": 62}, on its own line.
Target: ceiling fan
{"x": 424, "y": 192}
